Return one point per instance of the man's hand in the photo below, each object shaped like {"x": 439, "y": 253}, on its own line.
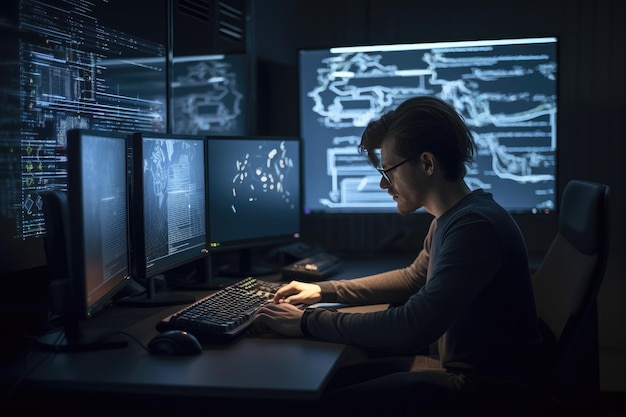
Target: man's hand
{"x": 297, "y": 292}
{"x": 281, "y": 318}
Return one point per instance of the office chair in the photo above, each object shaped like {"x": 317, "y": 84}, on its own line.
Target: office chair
{"x": 566, "y": 286}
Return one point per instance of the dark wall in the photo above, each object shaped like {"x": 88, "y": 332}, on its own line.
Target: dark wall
{"x": 592, "y": 104}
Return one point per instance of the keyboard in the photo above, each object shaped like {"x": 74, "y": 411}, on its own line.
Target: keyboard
{"x": 222, "y": 315}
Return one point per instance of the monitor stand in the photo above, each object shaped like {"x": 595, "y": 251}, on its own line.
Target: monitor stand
{"x": 245, "y": 267}
{"x": 226, "y": 274}
{"x": 69, "y": 338}
{"x": 152, "y": 298}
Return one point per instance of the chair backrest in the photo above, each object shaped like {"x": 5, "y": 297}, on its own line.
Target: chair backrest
{"x": 566, "y": 287}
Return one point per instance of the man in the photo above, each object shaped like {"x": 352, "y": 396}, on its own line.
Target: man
{"x": 468, "y": 291}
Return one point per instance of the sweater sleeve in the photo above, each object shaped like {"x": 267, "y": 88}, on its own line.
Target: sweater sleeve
{"x": 393, "y": 287}
{"x": 428, "y": 311}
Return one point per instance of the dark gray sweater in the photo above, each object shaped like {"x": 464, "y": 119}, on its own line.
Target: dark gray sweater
{"x": 469, "y": 290}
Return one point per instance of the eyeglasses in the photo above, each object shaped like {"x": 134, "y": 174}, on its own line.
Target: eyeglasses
{"x": 384, "y": 172}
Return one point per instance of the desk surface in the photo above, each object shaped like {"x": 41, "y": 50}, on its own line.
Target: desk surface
{"x": 249, "y": 367}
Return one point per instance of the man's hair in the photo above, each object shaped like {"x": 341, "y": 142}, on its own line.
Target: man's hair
{"x": 423, "y": 124}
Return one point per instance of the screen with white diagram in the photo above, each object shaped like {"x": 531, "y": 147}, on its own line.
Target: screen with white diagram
{"x": 506, "y": 90}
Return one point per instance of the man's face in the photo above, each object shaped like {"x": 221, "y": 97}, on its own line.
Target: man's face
{"x": 408, "y": 186}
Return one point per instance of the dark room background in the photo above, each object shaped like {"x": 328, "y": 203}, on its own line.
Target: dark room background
{"x": 265, "y": 37}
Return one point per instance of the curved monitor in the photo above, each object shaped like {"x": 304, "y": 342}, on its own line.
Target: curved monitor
{"x": 87, "y": 245}
{"x": 168, "y": 203}
{"x": 505, "y": 89}
{"x": 254, "y": 194}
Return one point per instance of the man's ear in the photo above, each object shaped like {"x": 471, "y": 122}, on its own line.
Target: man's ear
{"x": 428, "y": 162}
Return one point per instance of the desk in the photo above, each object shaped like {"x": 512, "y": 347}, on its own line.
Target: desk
{"x": 249, "y": 368}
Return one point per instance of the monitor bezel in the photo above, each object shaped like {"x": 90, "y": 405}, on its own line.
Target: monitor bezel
{"x": 139, "y": 265}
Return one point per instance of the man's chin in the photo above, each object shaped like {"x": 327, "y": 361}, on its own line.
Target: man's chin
{"x": 403, "y": 211}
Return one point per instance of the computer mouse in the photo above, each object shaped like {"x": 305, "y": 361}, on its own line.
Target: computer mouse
{"x": 175, "y": 343}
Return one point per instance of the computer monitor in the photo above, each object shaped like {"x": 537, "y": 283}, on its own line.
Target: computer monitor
{"x": 254, "y": 197}
{"x": 87, "y": 244}
{"x": 506, "y": 89}
{"x": 169, "y": 196}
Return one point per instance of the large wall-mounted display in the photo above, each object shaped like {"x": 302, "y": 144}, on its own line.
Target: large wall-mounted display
{"x": 505, "y": 89}
{"x": 209, "y": 95}
{"x": 69, "y": 64}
